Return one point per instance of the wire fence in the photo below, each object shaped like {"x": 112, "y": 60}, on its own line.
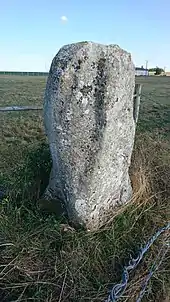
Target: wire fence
{"x": 136, "y": 96}
{"x": 20, "y": 108}
{"x": 23, "y": 73}
{"x": 118, "y": 289}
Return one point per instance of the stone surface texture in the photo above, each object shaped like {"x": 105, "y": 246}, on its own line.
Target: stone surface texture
{"x": 88, "y": 114}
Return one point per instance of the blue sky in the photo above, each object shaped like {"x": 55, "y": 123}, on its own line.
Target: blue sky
{"x": 32, "y": 31}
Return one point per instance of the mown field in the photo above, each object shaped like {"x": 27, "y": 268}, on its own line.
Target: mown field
{"x": 41, "y": 258}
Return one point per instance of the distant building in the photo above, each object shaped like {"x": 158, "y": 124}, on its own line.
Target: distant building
{"x": 140, "y": 71}
{"x": 166, "y": 73}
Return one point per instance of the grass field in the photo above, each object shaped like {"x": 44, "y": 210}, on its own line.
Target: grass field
{"x": 41, "y": 258}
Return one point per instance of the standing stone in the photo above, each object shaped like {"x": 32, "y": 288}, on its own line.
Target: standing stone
{"x": 88, "y": 113}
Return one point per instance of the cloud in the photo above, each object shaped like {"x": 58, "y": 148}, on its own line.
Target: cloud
{"x": 64, "y": 19}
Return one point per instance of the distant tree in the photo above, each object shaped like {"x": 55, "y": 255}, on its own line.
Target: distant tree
{"x": 158, "y": 70}
{"x": 152, "y": 69}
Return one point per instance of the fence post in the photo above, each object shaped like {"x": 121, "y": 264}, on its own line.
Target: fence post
{"x": 137, "y": 96}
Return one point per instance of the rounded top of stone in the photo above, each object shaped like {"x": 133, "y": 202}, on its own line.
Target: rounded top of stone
{"x": 90, "y": 43}
{"x": 71, "y": 49}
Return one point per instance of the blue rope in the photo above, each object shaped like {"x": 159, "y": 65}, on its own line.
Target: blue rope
{"x": 118, "y": 289}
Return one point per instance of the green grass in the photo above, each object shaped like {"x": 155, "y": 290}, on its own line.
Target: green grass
{"x": 41, "y": 258}
{"x": 155, "y": 106}
{"x": 21, "y": 90}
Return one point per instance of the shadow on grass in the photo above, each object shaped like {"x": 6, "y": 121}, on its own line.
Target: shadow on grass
{"x": 23, "y": 190}
{"x": 31, "y": 179}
